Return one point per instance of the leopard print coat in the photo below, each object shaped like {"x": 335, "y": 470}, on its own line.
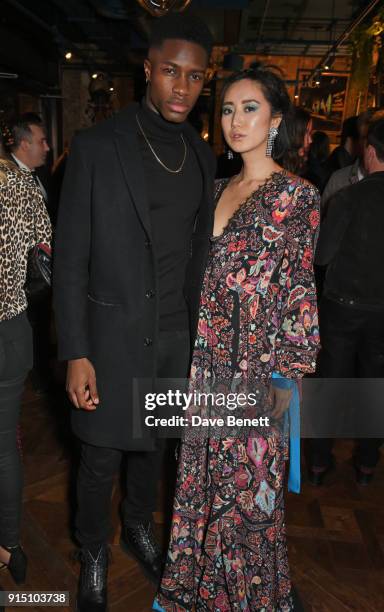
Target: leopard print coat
{"x": 24, "y": 222}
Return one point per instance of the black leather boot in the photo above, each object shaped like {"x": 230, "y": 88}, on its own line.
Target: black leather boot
{"x": 17, "y": 564}
{"x": 139, "y": 541}
{"x": 92, "y": 591}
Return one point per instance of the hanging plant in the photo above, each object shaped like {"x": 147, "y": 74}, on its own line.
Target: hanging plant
{"x": 362, "y": 46}
{"x": 364, "y": 43}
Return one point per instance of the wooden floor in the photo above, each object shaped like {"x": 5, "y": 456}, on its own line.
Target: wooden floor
{"x": 336, "y": 533}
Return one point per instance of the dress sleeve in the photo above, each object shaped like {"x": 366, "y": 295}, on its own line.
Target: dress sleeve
{"x": 297, "y": 341}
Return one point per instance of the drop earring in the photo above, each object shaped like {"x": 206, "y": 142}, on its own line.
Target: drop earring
{"x": 229, "y": 153}
{"x": 273, "y": 131}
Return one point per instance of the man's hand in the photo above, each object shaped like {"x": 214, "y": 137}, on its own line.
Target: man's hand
{"x": 81, "y": 384}
{"x": 280, "y": 400}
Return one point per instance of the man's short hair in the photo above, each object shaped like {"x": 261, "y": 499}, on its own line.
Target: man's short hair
{"x": 375, "y": 137}
{"x": 180, "y": 27}
{"x": 349, "y": 129}
{"x": 21, "y": 128}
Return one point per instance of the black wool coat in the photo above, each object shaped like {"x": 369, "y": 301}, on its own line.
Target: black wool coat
{"x": 105, "y": 277}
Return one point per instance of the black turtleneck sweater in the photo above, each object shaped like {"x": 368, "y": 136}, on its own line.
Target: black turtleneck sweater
{"x": 173, "y": 200}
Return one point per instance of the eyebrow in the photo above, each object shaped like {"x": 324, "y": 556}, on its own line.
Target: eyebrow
{"x": 169, "y": 63}
{"x": 243, "y": 102}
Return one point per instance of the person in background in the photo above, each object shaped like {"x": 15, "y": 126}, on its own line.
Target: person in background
{"x": 299, "y": 126}
{"x": 29, "y": 150}
{"x": 349, "y": 175}
{"x": 24, "y": 222}
{"x": 352, "y": 306}
{"x": 346, "y": 153}
{"x": 317, "y": 172}
{"x": 29, "y": 147}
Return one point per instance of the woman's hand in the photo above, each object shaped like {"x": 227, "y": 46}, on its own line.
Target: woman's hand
{"x": 280, "y": 400}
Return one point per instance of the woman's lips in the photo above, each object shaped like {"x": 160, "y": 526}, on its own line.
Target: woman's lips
{"x": 237, "y": 136}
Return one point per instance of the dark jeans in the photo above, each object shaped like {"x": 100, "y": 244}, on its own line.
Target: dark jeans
{"x": 352, "y": 343}
{"x": 39, "y": 315}
{"x": 98, "y": 465}
{"x": 15, "y": 361}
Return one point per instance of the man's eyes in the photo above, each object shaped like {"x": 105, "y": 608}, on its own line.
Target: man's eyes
{"x": 194, "y": 76}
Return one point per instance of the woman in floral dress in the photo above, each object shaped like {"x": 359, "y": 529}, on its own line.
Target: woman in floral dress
{"x": 257, "y": 316}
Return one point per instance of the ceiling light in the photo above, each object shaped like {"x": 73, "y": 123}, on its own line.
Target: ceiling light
{"x": 111, "y": 89}
{"x": 95, "y": 75}
{"x": 326, "y": 67}
{"x": 317, "y": 82}
{"x": 68, "y": 55}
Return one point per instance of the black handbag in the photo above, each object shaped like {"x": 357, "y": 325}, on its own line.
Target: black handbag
{"x": 39, "y": 271}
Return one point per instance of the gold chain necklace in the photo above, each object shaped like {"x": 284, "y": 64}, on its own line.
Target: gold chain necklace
{"x": 157, "y": 157}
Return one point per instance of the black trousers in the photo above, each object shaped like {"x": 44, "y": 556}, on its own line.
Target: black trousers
{"x": 98, "y": 465}
{"x": 352, "y": 343}
{"x": 39, "y": 315}
{"x": 15, "y": 362}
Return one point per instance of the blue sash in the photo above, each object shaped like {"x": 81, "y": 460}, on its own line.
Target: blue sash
{"x": 291, "y": 422}
{"x": 157, "y": 607}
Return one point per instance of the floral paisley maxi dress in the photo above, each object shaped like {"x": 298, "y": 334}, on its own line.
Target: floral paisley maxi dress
{"x": 258, "y": 314}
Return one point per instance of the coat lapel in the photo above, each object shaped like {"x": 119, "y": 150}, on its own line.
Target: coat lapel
{"x": 128, "y": 151}
{"x": 204, "y": 220}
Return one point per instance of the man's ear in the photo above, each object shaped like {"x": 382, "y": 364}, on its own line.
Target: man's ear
{"x": 24, "y": 144}
{"x": 147, "y": 70}
{"x": 371, "y": 153}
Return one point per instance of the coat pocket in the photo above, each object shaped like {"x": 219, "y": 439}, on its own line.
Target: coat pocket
{"x": 103, "y": 300}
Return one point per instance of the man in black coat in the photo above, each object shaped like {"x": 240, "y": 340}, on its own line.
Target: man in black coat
{"x": 352, "y": 307}
{"x": 132, "y": 238}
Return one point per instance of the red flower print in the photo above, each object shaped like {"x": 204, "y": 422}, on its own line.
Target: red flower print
{"x": 307, "y": 259}
{"x": 211, "y": 337}
{"x": 279, "y": 215}
{"x": 204, "y": 593}
{"x": 314, "y": 218}
{"x": 221, "y": 603}
{"x": 271, "y": 533}
{"x": 240, "y": 282}
{"x": 270, "y": 234}
{"x": 242, "y": 477}
{"x": 235, "y": 247}
{"x": 203, "y": 328}
{"x": 245, "y": 500}
{"x": 254, "y": 306}
{"x": 187, "y": 482}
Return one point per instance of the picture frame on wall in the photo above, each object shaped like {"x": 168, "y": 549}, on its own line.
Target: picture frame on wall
{"x": 325, "y": 101}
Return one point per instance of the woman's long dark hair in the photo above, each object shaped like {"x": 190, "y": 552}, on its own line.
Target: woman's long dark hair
{"x": 275, "y": 92}
{"x": 297, "y": 126}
